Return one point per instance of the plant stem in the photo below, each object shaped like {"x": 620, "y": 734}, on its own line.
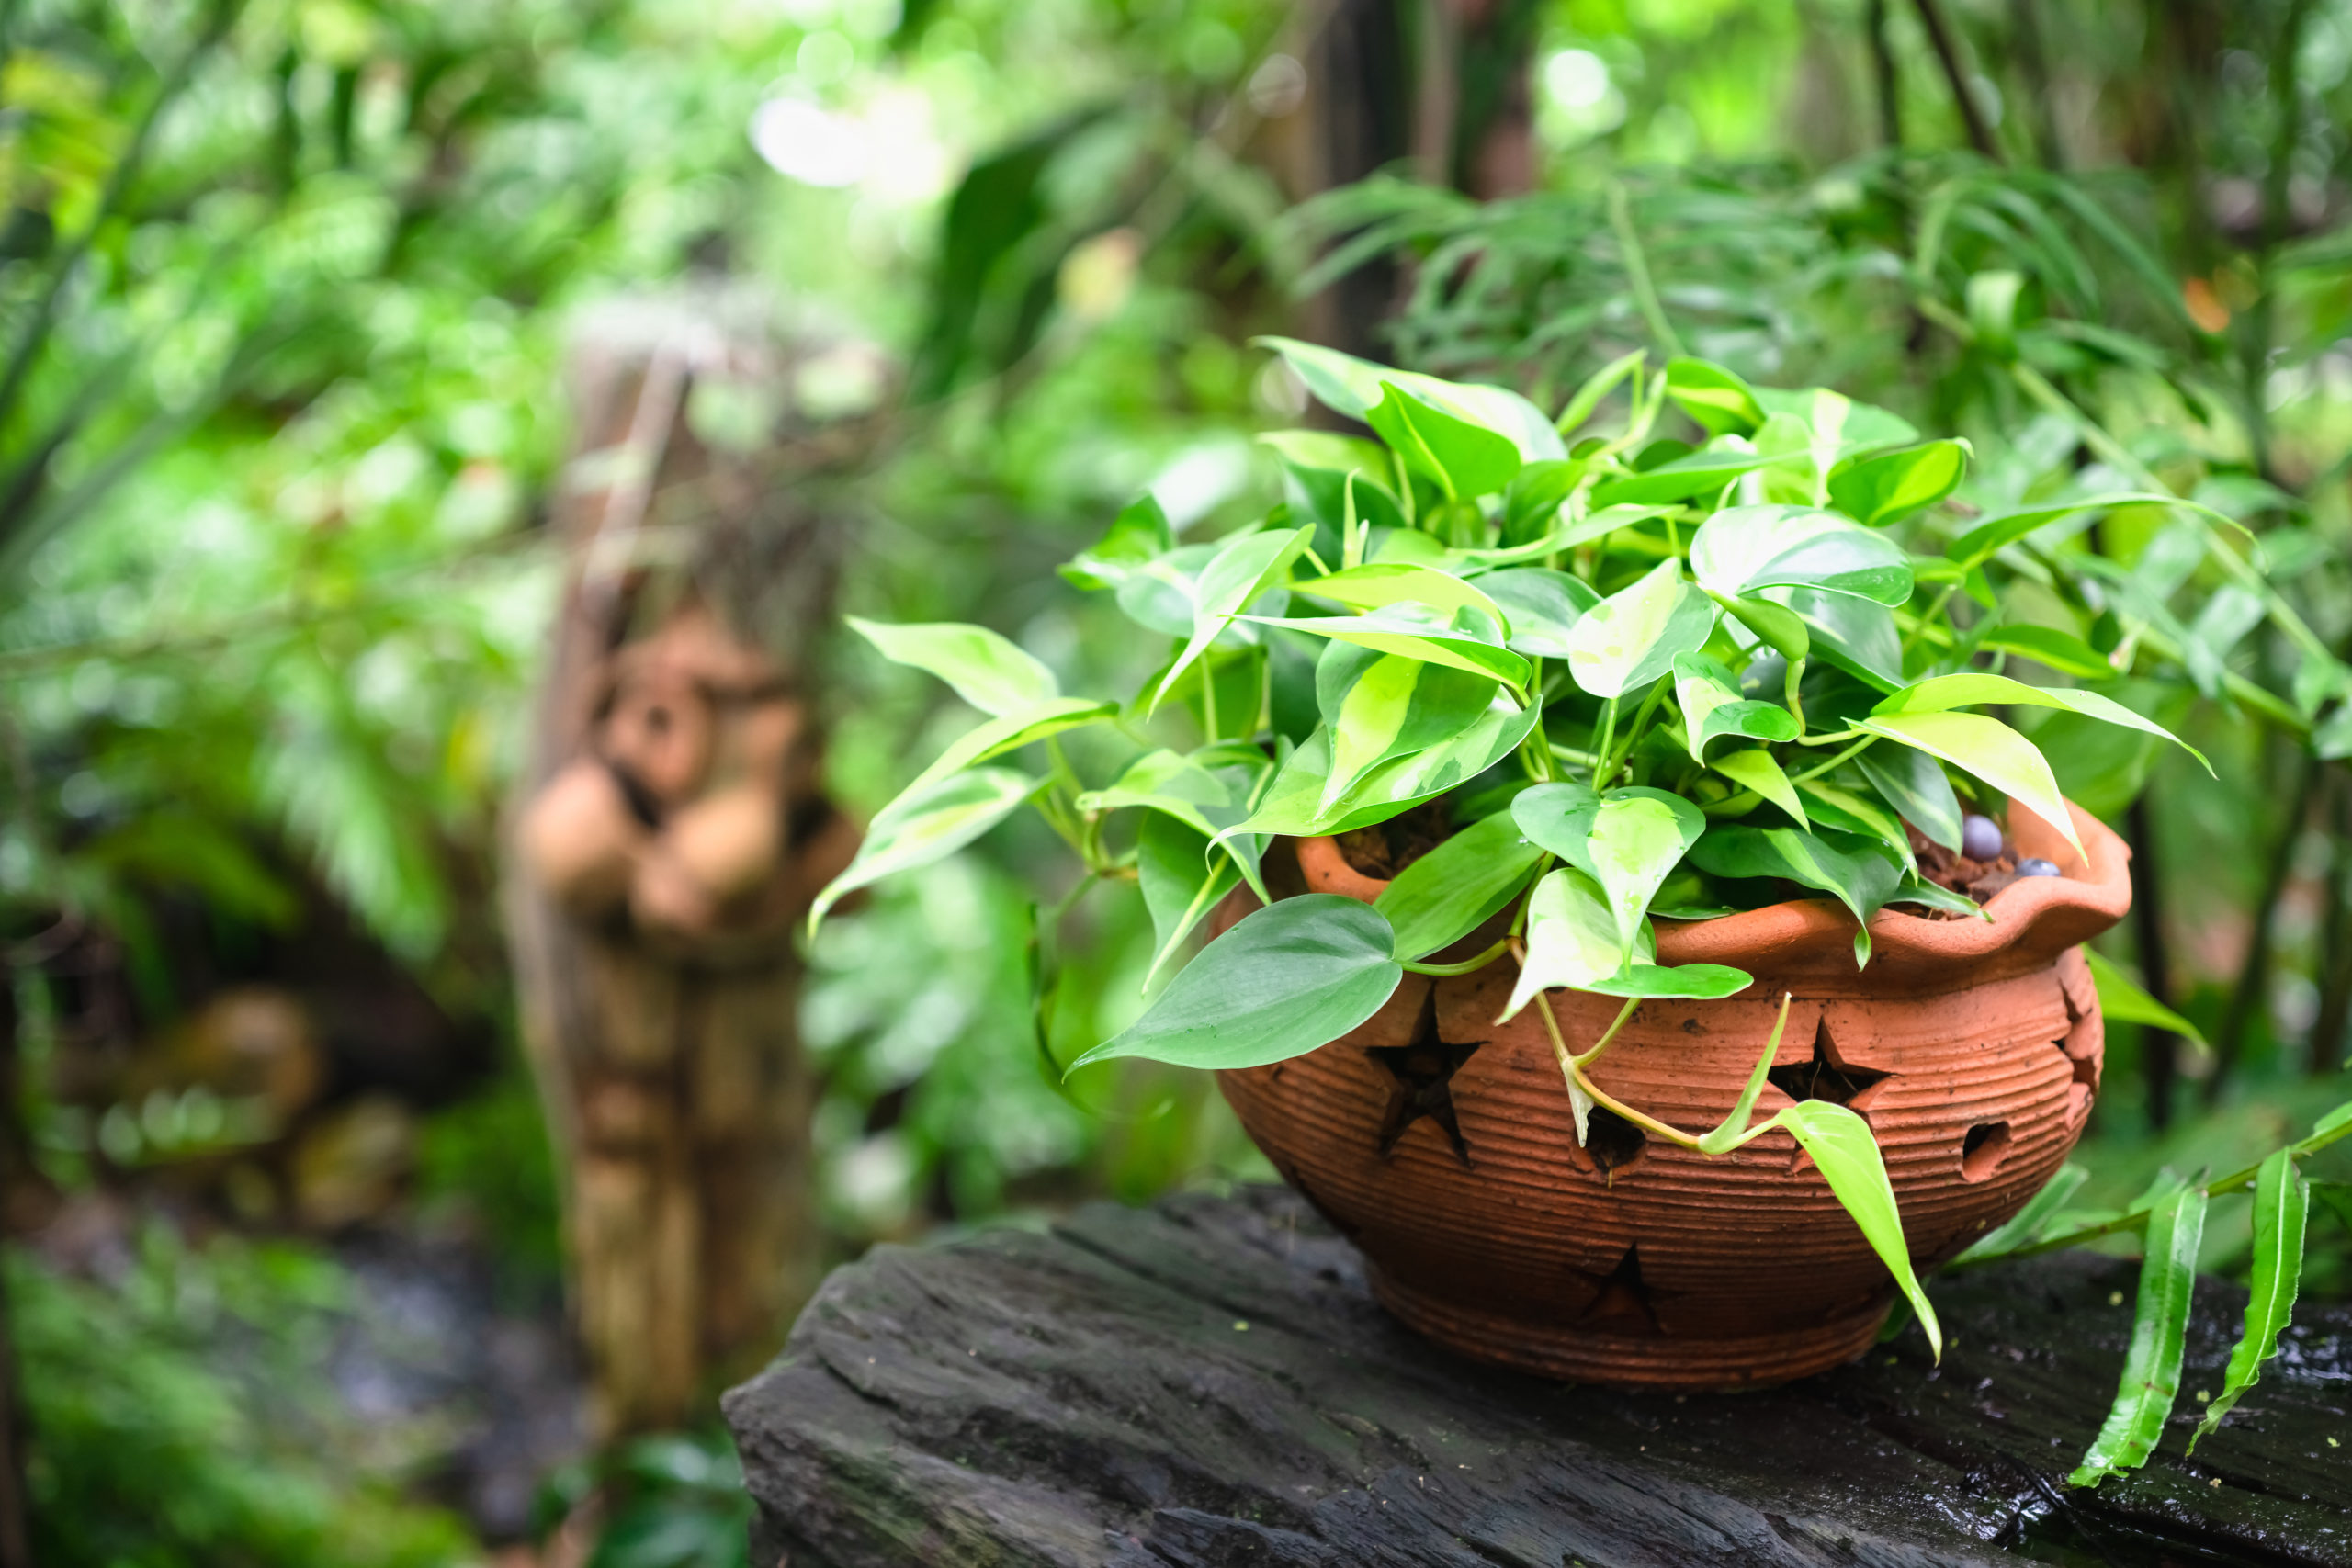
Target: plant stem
{"x": 1637, "y": 272}
{"x": 1641, "y": 722}
{"x": 1608, "y": 737}
{"x": 1465, "y": 967}
{"x": 1933, "y": 614}
{"x": 1855, "y": 750}
{"x": 1577, "y": 1082}
{"x": 1608, "y": 1036}
{"x": 2236, "y": 1181}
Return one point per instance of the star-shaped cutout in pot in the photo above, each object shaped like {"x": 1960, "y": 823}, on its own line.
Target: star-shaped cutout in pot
{"x": 1423, "y": 1069}
{"x": 1827, "y": 1076}
{"x": 1622, "y": 1303}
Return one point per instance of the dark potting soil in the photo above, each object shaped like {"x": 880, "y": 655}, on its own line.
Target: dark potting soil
{"x": 1977, "y": 879}
{"x": 1386, "y": 848}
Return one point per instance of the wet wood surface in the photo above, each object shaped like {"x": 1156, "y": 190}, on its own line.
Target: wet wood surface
{"x": 1205, "y": 1383}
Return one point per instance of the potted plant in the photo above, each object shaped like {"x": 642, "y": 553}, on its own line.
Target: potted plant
{"x": 1628, "y": 925}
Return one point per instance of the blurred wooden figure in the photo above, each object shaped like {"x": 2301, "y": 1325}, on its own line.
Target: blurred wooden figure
{"x": 671, "y": 835}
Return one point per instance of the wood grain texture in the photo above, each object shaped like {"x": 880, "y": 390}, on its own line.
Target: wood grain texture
{"x": 1090, "y": 1396}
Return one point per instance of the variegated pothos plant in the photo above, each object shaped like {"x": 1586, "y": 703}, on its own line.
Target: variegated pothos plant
{"x": 1640, "y": 675}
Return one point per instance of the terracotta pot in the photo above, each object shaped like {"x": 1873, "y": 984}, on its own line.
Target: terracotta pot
{"x": 1443, "y": 1144}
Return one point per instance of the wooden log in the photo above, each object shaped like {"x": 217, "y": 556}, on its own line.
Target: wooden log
{"x": 1205, "y": 1383}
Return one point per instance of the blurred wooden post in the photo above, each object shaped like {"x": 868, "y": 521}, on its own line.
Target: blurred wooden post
{"x": 669, "y": 836}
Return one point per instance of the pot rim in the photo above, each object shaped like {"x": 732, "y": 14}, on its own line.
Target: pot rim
{"x": 2033, "y": 918}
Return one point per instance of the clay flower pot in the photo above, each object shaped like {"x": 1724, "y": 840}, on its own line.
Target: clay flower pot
{"x": 1444, "y": 1145}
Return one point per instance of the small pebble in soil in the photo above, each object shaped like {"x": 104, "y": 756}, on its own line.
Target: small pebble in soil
{"x": 2036, "y": 866}
{"x": 1980, "y": 837}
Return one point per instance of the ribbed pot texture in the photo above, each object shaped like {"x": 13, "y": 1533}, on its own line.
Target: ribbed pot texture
{"x": 1442, "y": 1144}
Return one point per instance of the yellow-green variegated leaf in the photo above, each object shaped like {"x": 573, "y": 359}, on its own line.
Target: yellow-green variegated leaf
{"x": 1892, "y": 485}
{"x": 1240, "y": 571}
{"x": 1756, "y": 769}
{"x": 1846, "y": 1156}
{"x": 1632, "y": 637}
{"x": 1414, "y": 632}
{"x": 1943, "y": 693}
{"x": 927, "y": 823}
{"x": 1355, "y": 386}
{"x": 1011, "y": 731}
{"x": 1464, "y": 459}
{"x": 1742, "y": 550}
{"x": 1984, "y": 747}
{"x": 1385, "y": 582}
{"x": 1396, "y": 707}
{"x": 1571, "y": 939}
{"x": 1712, "y": 706}
{"x": 986, "y": 670}
{"x": 1293, "y": 804}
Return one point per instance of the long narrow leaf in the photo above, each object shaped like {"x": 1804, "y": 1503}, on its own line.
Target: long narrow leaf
{"x": 2282, "y": 1204}
{"x": 2024, "y": 1227}
{"x": 1841, "y": 1145}
{"x": 2151, "y": 1381}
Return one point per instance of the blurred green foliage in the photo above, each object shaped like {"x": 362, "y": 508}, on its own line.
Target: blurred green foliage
{"x": 181, "y": 1414}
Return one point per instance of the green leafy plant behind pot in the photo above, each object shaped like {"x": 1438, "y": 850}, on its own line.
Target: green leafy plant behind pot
{"x": 1612, "y": 677}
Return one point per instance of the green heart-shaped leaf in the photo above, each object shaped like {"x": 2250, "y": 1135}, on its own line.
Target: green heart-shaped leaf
{"x": 1182, "y": 880}
{"x": 1286, "y": 979}
{"x": 1463, "y": 458}
{"x": 1139, "y": 534}
{"x": 1861, "y": 874}
{"x": 1450, "y": 891}
{"x": 1916, "y": 787}
{"x": 1891, "y": 486}
{"x": 1627, "y": 841}
{"x": 1347, "y": 385}
{"x": 1757, "y": 770}
{"x": 1414, "y": 632}
{"x": 1846, "y": 1156}
{"x": 1572, "y": 941}
{"x": 1293, "y": 803}
{"x": 1391, "y": 582}
{"x": 1709, "y": 697}
{"x": 1240, "y": 571}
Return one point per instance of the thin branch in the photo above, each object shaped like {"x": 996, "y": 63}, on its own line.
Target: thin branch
{"x": 1947, "y": 47}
